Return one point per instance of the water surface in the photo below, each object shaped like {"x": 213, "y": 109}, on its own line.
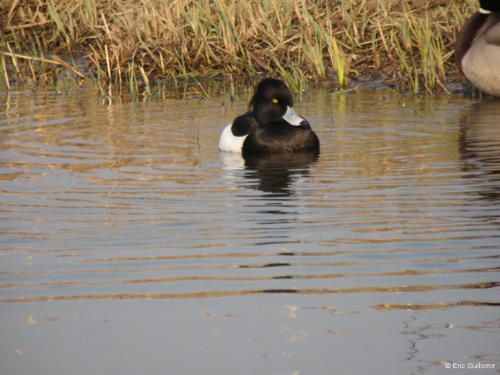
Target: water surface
{"x": 129, "y": 244}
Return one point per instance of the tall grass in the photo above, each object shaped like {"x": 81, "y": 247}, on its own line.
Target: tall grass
{"x": 136, "y": 43}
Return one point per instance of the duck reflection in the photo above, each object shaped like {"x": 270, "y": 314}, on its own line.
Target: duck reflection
{"x": 275, "y": 173}
{"x": 479, "y": 147}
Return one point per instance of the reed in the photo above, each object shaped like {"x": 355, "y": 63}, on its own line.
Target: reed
{"x": 135, "y": 44}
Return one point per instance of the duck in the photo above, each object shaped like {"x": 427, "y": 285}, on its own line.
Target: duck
{"x": 477, "y": 51}
{"x": 271, "y": 124}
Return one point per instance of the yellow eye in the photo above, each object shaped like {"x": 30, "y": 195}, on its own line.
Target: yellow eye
{"x": 275, "y": 101}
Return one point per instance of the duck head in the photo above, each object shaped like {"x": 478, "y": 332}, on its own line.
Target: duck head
{"x": 273, "y": 103}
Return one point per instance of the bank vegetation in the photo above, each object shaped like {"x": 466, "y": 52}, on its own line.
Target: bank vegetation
{"x": 136, "y": 44}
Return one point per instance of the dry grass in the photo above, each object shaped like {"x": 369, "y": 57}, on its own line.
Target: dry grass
{"x": 138, "y": 43}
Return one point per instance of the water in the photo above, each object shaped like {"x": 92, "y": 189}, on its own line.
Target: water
{"x": 129, "y": 244}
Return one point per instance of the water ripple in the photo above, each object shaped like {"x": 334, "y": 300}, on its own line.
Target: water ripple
{"x": 131, "y": 202}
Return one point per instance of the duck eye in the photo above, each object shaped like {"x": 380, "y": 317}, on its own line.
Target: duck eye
{"x": 275, "y": 101}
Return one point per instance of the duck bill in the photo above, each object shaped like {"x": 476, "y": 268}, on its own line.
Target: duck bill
{"x": 292, "y": 117}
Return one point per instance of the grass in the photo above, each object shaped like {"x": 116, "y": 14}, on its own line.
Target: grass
{"x": 135, "y": 44}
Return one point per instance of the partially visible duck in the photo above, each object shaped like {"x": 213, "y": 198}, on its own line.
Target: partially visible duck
{"x": 477, "y": 50}
{"x": 270, "y": 126}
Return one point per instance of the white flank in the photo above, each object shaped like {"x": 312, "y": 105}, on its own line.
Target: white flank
{"x": 230, "y": 143}
{"x": 292, "y": 117}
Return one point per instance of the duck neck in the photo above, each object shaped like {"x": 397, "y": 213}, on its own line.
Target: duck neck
{"x": 467, "y": 35}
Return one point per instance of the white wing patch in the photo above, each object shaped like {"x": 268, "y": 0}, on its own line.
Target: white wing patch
{"x": 229, "y": 142}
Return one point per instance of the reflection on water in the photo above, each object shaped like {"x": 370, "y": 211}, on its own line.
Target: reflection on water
{"x": 124, "y": 224}
{"x": 479, "y": 148}
{"x": 273, "y": 174}
{"x": 276, "y": 173}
